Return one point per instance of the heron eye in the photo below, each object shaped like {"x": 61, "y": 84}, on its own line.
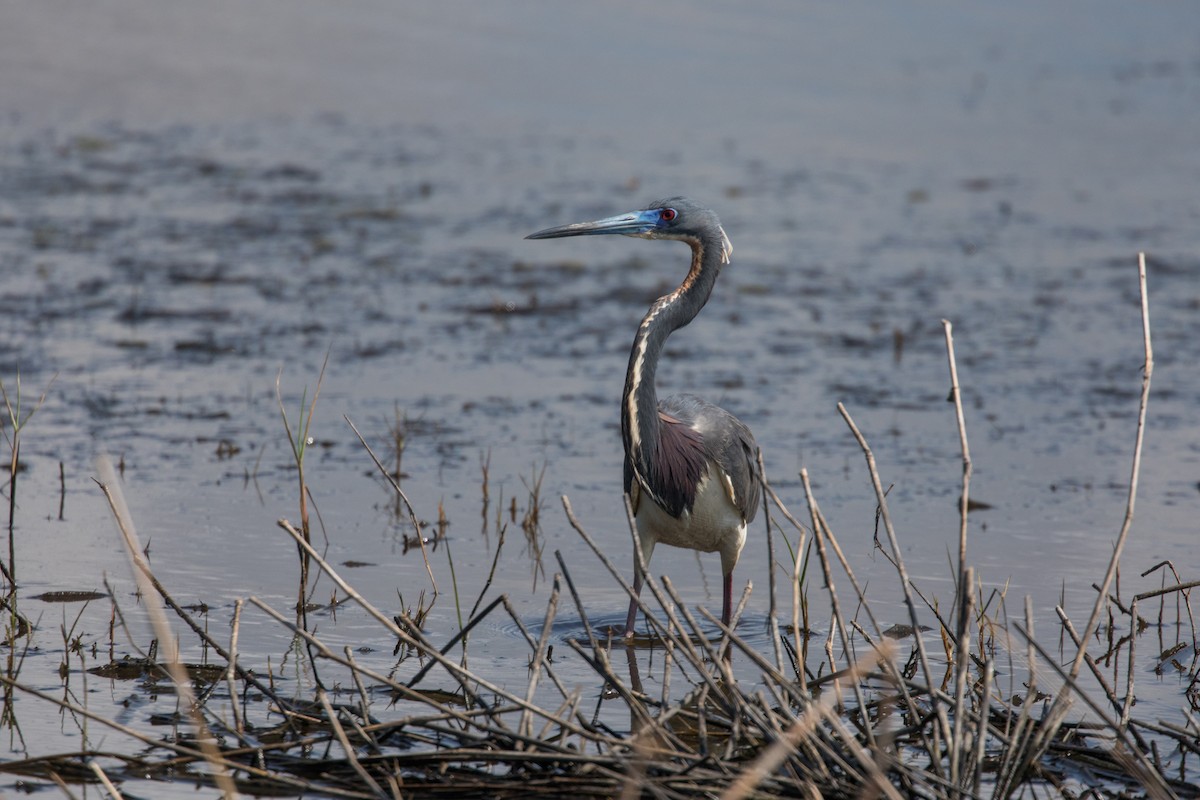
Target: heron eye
{"x": 669, "y": 214}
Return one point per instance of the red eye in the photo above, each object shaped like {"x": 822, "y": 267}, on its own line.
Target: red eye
{"x": 669, "y": 214}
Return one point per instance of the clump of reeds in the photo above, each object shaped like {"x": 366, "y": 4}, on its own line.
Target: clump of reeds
{"x": 863, "y": 719}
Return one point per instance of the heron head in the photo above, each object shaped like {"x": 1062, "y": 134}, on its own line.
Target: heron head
{"x": 673, "y": 218}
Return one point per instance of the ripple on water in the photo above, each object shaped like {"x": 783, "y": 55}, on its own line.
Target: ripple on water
{"x": 754, "y": 629}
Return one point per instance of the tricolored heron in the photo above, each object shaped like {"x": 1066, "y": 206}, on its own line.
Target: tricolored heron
{"x": 690, "y": 466}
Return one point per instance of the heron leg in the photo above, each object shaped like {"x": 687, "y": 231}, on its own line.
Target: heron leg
{"x": 633, "y": 605}
{"x": 645, "y": 543}
{"x": 727, "y": 605}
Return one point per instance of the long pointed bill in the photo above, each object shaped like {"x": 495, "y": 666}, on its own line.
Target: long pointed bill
{"x": 635, "y": 223}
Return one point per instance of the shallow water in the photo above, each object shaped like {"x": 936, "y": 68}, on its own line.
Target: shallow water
{"x": 194, "y": 204}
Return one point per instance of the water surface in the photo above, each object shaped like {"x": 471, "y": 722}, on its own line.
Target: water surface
{"x": 195, "y": 201}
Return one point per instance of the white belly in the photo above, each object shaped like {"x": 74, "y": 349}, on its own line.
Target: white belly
{"x": 714, "y": 524}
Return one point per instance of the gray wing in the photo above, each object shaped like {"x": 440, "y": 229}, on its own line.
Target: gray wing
{"x": 727, "y": 441}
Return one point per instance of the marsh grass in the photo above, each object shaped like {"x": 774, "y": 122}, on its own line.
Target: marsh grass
{"x": 17, "y": 420}
{"x": 856, "y": 717}
{"x": 299, "y": 440}
{"x": 17, "y": 627}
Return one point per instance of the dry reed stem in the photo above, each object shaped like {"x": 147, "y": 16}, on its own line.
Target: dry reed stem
{"x": 710, "y": 651}
{"x": 550, "y": 673}
{"x": 1179, "y": 587}
{"x": 1130, "y": 668}
{"x": 803, "y": 728}
{"x": 799, "y": 633}
{"x": 825, "y": 745}
{"x": 423, "y": 644}
{"x": 679, "y": 639}
{"x": 461, "y": 634}
{"x": 199, "y": 630}
{"x": 631, "y": 786}
{"x": 962, "y": 773}
{"x": 835, "y": 606}
{"x": 364, "y": 702}
{"x": 412, "y": 514}
{"x": 640, "y": 567}
{"x": 231, "y": 669}
{"x": 800, "y": 642}
{"x": 811, "y": 748}
{"x": 667, "y": 632}
{"x": 583, "y": 617}
{"x": 831, "y": 540}
{"x": 772, "y": 613}
{"x": 98, "y": 771}
{"x": 599, "y": 658}
{"x": 1070, "y": 686}
{"x": 905, "y": 583}
{"x": 487, "y": 584}
{"x": 1058, "y": 709}
{"x": 496, "y": 731}
{"x": 1097, "y": 673}
{"x": 1013, "y": 761}
{"x": 539, "y": 655}
{"x": 158, "y": 620}
{"x": 463, "y": 676}
{"x": 332, "y": 718}
{"x": 981, "y": 729}
{"x": 186, "y": 754}
{"x": 956, "y": 397}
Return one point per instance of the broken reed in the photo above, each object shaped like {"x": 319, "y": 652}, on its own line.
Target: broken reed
{"x": 857, "y": 722}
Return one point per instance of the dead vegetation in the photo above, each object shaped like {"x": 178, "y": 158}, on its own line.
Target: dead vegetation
{"x": 867, "y": 713}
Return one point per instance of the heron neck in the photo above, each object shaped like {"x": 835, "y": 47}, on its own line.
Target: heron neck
{"x": 639, "y": 412}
